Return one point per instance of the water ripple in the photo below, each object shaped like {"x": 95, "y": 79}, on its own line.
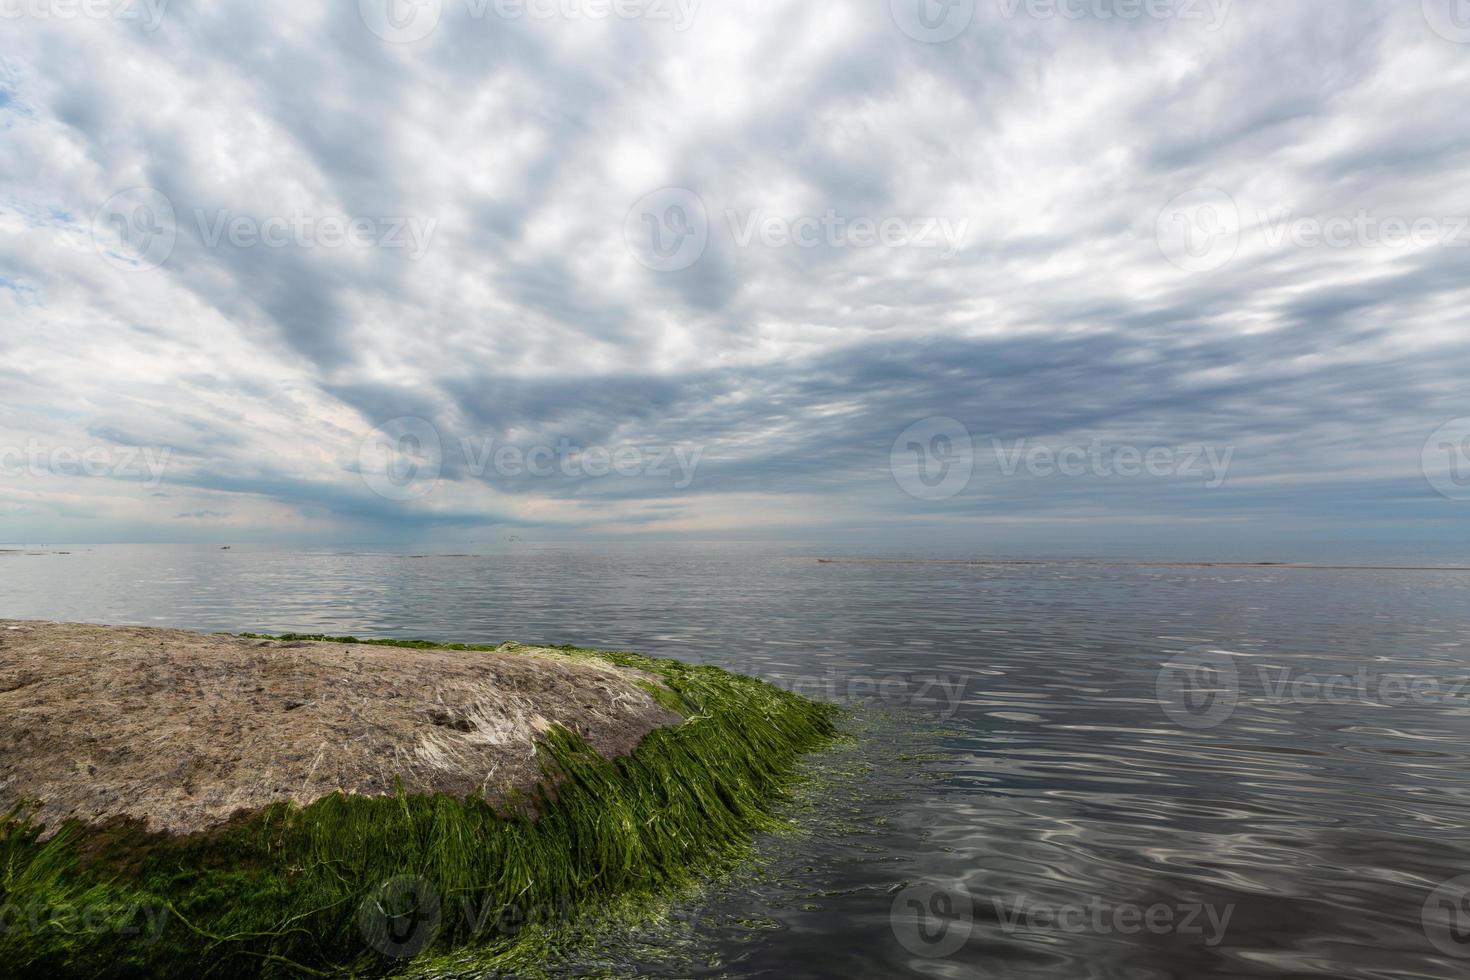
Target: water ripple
{"x": 1024, "y": 761}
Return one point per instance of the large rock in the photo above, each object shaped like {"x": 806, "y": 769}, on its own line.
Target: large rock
{"x": 182, "y": 730}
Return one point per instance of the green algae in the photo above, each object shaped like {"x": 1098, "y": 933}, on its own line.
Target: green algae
{"x": 379, "y": 885}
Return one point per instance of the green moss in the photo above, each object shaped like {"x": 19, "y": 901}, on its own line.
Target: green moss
{"x": 375, "y": 885}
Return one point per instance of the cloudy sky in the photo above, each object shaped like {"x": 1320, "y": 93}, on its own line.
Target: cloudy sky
{"x": 1005, "y": 275}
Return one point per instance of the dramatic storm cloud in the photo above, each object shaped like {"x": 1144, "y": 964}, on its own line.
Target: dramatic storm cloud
{"x": 1083, "y": 275}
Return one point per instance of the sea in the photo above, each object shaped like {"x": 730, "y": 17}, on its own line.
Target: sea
{"x": 1063, "y": 768}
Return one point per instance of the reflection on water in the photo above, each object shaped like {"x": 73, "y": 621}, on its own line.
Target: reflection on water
{"x": 1041, "y": 802}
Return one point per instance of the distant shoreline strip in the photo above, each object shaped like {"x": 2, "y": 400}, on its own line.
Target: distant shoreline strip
{"x": 1143, "y": 564}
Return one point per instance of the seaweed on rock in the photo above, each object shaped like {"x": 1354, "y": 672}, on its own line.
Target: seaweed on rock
{"x": 370, "y": 885}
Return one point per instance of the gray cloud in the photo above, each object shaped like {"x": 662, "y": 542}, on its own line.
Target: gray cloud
{"x": 1059, "y": 319}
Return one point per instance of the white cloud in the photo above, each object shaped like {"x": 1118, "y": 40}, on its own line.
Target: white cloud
{"x": 1055, "y": 143}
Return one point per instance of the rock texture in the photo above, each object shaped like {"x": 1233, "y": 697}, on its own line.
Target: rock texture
{"x": 182, "y": 730}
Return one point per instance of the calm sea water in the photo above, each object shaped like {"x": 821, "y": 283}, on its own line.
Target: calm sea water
{"x": 1035, "y": 793}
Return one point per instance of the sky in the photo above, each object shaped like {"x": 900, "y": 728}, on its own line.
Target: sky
{"x": 1181, "y": 277}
